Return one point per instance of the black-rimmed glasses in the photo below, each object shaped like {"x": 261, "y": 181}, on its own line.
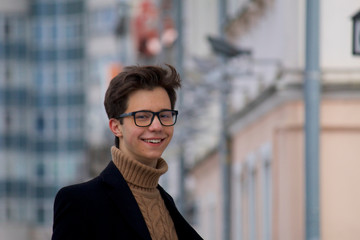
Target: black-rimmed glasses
{"x": 145, "y": 118}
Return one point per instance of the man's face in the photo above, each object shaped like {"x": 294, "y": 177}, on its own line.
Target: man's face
{"x": 136, "y": 142}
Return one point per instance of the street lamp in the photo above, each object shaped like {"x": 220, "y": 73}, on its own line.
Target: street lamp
{"x": 356, "y": 34}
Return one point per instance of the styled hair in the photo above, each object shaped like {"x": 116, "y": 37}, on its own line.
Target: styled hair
{"x": 134, "y": 78}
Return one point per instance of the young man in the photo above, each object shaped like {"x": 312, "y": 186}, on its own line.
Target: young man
{"x": 125, "y": 200}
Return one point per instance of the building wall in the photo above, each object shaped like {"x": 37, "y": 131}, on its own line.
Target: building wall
{"x": 273, "y": 30}
{"x": 340, "y": 166}
{"x": 15, "y": 116}
{"x": 336, "y": 34}
{"x": 276, "y": 33}
{"x": 56, "y": 58}
{"x": 268, "y": 184}
{"x": 200, "y": 20}
{"x": 207, "y": 196}
{"x": 41, "y": 106}
{"x": 276, "y": 139}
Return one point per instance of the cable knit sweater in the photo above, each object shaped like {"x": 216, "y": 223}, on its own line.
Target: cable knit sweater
{"x": 143, "y": 181}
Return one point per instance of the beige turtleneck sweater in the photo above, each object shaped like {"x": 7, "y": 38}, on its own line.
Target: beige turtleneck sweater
{"x": 143, "y": 181}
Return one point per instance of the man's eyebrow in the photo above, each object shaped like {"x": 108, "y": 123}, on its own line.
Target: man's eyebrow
{"x": 163, "y": 109}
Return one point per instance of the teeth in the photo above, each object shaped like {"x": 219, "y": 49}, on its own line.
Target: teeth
{"x": 153, "y": 140}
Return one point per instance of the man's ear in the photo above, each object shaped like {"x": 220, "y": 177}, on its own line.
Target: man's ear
{"x": 115, "y": 127}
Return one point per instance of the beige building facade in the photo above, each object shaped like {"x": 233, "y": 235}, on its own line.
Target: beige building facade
{"x": 268, "y": 176}
{"x": 267, "y": 128}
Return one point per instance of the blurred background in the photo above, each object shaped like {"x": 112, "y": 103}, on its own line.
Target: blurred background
{"x": 267, "y": 145}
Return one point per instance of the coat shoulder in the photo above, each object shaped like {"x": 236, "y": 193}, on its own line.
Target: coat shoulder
{"x": 90, "y": 188}
{"x": 79, "y": 190}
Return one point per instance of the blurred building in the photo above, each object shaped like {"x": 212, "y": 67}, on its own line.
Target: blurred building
{"x": 42, "y": 92}
{"x": 266, "y": 125}
{"x": 56, "y": 61}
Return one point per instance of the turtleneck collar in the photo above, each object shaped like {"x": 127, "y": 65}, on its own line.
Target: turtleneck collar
{"x": 137, "y": 174}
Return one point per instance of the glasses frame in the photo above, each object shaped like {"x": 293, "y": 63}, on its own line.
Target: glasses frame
{"x": 174, "y": 113}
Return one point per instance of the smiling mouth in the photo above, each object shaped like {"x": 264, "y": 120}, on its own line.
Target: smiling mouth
{"x": 153, "y": 140}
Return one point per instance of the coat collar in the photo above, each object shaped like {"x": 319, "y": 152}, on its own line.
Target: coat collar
{"x": 121, "y": 195}
{"x": 183, "y": 228}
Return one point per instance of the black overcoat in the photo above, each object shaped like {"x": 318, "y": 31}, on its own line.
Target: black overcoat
{"x": 105, "y": 209}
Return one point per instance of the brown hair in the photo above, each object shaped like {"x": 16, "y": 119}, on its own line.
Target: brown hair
{"x": 134, "y": 78}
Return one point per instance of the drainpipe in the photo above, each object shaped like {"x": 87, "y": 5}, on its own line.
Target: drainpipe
{"x": 312, "y": 99}
{"x": 224, "y": 138}
{"x": 178, "y": 6}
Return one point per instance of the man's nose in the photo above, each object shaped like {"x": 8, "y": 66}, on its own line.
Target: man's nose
{"x": 156, "y": 124}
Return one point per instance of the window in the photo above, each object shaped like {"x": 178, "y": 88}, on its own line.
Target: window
{"x": 2, "y": 27}
{"x": 45, "y": 32}
{"x": 72, "y": 7}
{"x": 237, "y": 195}
{"x": 40, "y": 215}
{"x": 69, "y": 166}
{"x": 7, "y": 28}
{"x": 2, "y": 189}
{"x": 18, "y": 32}
{"x": 72, "y": 76}
{"x": 73, "y": 30}
{"x": 20, "y": 71}
{"x": 46, "y": 78}
{"x": 2, "y": 52}
{"x": 40, "y": 170}
{"x": 267, "y": 192}
{"x": 103, "y": 21}
{"x": 252, "y": 197}
{"x": 209, "y": 216}
{"x": 43, "y": 9}
{"x": 244, "y": 193}
{"x": 76, "y": 53}
{"x": 2, "y": 209}
{"x": 2, "y": 69}
{"x": 75, "y": 99}
{"x": 73, "y": 123}
{"x": 40, "y": 123}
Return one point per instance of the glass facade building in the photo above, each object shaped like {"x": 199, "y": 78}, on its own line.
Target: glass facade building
{"x": 42, "y": 104}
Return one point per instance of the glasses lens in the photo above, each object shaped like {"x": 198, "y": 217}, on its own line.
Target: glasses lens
{"x": 167, "y": 117}
{"x": 143, "y": 118}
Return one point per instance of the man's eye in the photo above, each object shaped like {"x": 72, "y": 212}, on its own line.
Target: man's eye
{"x": 142, "y": 116}
{"x": 165, "y": 115}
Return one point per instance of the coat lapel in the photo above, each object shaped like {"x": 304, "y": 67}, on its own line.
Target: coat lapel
{"x": 120, "y": 193}
{"x": 183, "y": 229}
